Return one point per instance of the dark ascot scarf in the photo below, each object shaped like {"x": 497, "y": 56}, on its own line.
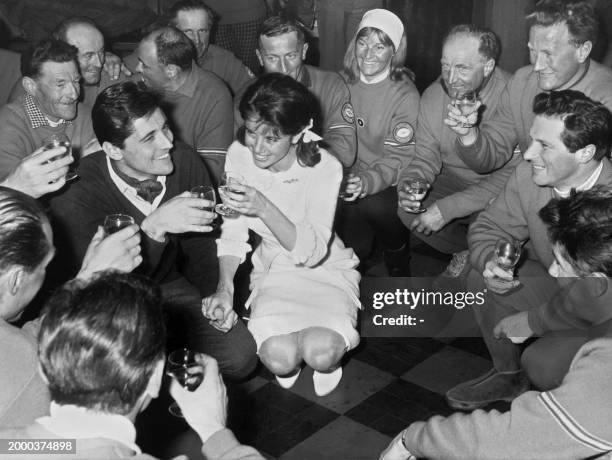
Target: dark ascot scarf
{"x": 147, "y": 189}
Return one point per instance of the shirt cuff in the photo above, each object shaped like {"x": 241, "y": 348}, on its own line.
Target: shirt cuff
{"x": 232, "y": 248}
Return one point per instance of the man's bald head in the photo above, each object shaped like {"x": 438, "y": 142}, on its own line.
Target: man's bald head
{"x": 83, "y": 34}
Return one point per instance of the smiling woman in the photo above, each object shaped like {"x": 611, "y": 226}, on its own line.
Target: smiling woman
{"x": 305, "y": 296}
{"x": 386, "y": 105}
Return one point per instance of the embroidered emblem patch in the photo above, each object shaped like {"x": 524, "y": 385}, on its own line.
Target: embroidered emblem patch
{"x": 403, "y": 132}
{"x": 348, "y": 113}
{"x": 360, "y": 122}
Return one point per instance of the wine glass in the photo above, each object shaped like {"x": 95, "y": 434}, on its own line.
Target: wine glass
{"x": 417, "y": 187}
{"x": 465, "y": 102}
{"x": 60, "y": 140}
{"x": 183, "y": 366}
{"x": 206, "y": 192}
{"x": 115, "y": 222}
{"x": 227, "y": 183}
{"x": 507, "y": 253}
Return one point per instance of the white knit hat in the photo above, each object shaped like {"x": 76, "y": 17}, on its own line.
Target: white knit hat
{"x": 386, "y": 21}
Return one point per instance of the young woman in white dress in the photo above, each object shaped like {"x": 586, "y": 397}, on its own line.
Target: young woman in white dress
{"x": 304, "y": 287}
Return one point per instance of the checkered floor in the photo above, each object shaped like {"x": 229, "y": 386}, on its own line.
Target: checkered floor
{"x": 387, "y": 384}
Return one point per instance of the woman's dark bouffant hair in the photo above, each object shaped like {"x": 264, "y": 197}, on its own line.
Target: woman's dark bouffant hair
{"x": 287, "y": 106}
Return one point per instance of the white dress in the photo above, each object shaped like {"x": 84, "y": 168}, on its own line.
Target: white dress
{"x": 316, "y": 283}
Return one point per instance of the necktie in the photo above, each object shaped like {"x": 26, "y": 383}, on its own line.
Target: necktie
{"x": 147, "y": 189}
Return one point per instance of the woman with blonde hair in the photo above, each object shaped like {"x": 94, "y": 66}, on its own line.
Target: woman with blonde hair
{"x": 386, "y": 104}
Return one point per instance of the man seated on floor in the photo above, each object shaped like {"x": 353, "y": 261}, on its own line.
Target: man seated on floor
{"x": 142, "y": 173}
{"x": 98, "y": 68}
{"x": 580, "y": 229}
{"x": 196, "y": 20}
{"x": 574, "y": 418}
{"x": 283, "y": 48}
{"x": 101, "y": 351}
{"x": 570, "y": 149}
{"x": 198, "y": 103}
{"x": 469, "y": 57}
{"x": 26, "y": 248}
{"x": 49, "y": 106}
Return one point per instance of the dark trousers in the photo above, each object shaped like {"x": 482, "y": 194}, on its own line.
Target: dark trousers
{"x": 235, "y": 351}
{"x": 547, "y": 359}
{"x": 359, "y": 221}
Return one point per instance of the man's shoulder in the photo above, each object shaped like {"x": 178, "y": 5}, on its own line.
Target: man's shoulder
{"x": 208, "y": 82}
{"x": 318, "y": 74}
{"x": 14, "y": 341}
{"x": 501, "y": 74}
{"x": 433, "y": 93}
{"x": 215, "y": 51}
{"x": 606, "y": 173}
{"x": 600, "y": 73}
{"x": 14, "y": 112}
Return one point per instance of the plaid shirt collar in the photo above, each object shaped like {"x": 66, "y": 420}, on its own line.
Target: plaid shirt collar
{"x": 37, "y": 118}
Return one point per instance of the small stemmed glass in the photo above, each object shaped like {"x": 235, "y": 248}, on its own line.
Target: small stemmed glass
{"x": 188, "y": 372}
{"x": 417, "y": 187}
{"x": 60, "y": 140}
{"x": 227, "y": 184}
{"x": 507, "y": 253}
{"x": 465, "y": 102}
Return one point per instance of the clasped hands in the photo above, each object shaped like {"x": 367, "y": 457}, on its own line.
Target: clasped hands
{"x": 219, "y": 310}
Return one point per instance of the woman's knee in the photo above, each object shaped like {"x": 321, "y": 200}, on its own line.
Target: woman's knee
{"x": 280, "y": 353}
{"x": 321, "y": 348}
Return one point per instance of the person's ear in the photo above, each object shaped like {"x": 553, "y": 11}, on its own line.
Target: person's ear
{"x": 16, "y": 278}
{"x": 171, "y": 71}
{"x": 29, "y": 85}
{"x": 583, "y": 51}
{"x": 304, "y": 50}
{"x": 42, "y": 374}
{"x": 155, "y": 382}
{"x": 585, "y": 154}
{"x": 113, "y": 152}
{"x": 488, "y": 67}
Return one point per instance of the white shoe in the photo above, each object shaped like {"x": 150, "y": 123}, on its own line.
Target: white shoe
{"x": 288, "y": 382}
{"x": 325, "y": 383}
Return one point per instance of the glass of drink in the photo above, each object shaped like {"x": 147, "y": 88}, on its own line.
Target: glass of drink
{"x": 115, "y": 222}
{"x": 60, "y": 140}
{"x": 227, "y": 183}
{"x": 189, "y": 373}
{"x": 417, "y": 187}
{"x": 507, "y": 253}
{"x": 465, "y": 102}
{"x": 206, "y": 192}
{"x": 346, "y": 175}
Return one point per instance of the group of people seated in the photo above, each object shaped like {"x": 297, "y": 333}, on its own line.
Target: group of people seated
{"x": 305, "y": 162}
